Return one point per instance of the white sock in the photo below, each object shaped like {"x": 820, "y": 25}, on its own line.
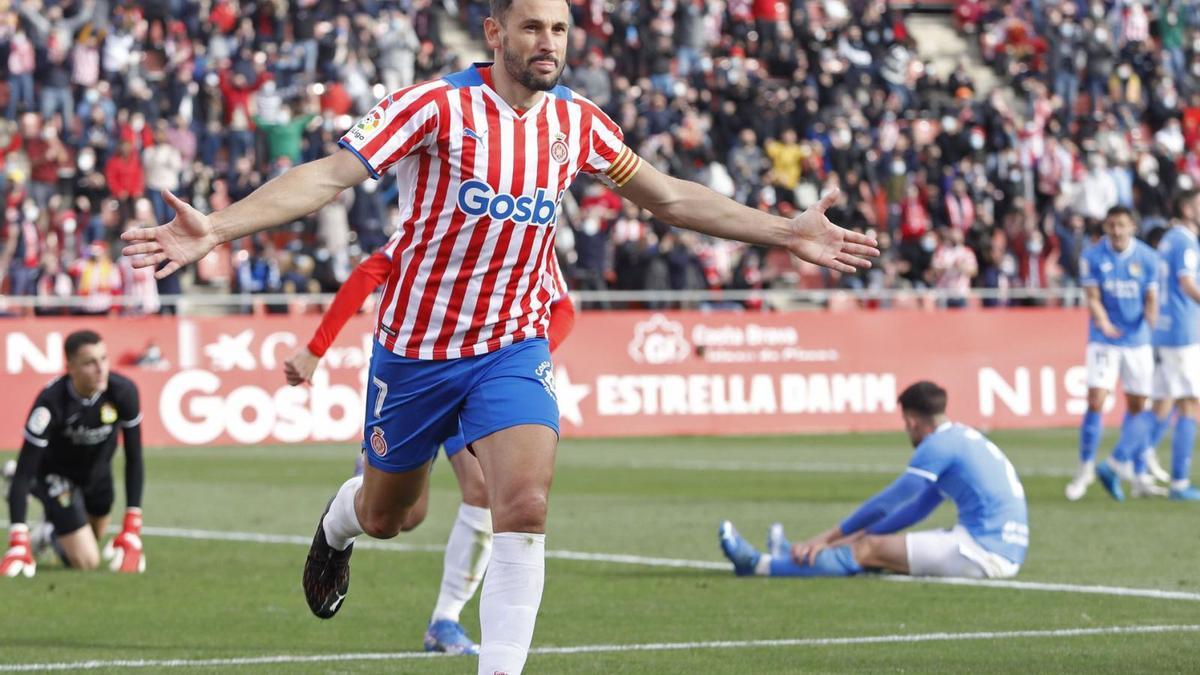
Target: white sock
{"x": 1181, "y": 485}
{"x": 467, "y": 554}
{"x": 763, "y": 567}
{"x": 1087, "y": 469}
{"x": 512, "y": 593}
{"x": 341, "y": 523}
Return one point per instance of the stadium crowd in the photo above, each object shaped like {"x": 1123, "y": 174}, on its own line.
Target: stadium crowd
{"x": 771, "y": 102}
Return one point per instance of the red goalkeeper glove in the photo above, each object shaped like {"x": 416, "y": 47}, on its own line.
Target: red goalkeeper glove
{"x": 124, "y": 553}
{"x": 19, "y": 558}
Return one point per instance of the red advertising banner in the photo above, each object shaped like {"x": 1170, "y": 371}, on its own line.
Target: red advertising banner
{"x": 220, "y": 381}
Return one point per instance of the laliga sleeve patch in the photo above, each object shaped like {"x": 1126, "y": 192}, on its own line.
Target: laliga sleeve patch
{"x": 39, "y": 420}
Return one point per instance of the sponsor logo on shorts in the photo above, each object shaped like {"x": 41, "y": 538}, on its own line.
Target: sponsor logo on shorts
{"x": 378, "y": 442}
{"x": 108, "y": 413}
{"x": 545, "y": 374}
{"x": 39, "y": 419}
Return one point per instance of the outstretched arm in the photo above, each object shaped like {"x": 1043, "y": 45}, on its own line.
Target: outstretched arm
{"x": 810, "y": 236}
{"x": 191, "y": 235}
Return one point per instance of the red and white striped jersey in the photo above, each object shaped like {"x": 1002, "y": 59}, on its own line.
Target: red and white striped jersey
{"x": 480, "y": 185}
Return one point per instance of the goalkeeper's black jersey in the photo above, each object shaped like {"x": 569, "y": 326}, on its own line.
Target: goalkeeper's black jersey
{"x": 78, "y": 435}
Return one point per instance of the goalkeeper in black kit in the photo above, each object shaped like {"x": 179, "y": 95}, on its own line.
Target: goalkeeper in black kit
{"x": 66, "y": 463}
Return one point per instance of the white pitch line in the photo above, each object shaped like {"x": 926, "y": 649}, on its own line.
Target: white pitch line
{"x": 790, "y": 467}
{"x": 610, "y": 648}
{"x": 678, "y": 563}
{"x": 1045, "y": 586}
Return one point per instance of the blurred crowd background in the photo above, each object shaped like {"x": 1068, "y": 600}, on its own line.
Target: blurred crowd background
{"x": 773, "y": 103}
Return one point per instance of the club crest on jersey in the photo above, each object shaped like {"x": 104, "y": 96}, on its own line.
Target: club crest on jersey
{"x": 476, "y": 198}
{"x": 559, "y": 150}
{"x": 545, "y": 374}
{"x": 39, "y": 419}
{"x": 108, "y": 414}
{"x": 1135, "y": 269}
{"x": 378, "y": 442}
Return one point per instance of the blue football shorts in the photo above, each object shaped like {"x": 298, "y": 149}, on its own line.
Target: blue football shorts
{"x": 414, "y": 406}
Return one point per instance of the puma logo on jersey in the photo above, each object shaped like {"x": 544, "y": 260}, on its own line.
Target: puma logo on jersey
{"x": 471, "y": 133}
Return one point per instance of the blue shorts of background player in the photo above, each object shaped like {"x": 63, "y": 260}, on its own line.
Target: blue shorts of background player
{"x": 415, "y": 406}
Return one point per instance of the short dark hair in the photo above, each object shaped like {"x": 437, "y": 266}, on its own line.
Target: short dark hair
{"x": 500, "y": 8}
{"x": 1122, "y": 211}
{"x": 923, "y": 398}
{"x": 1183, "y": 198}
{"x": 78, "y": 339}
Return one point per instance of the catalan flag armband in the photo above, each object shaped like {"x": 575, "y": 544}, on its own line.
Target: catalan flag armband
{"x": 624, "y": 167}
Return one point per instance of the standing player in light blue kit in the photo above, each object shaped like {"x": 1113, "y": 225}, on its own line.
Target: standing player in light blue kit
{"x": 1177, "y": 341}
{"x": 951, "y": 460}
{"x": 1120, "y": 276}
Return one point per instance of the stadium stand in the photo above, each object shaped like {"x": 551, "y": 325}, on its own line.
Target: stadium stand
{"x": 771, "y": 102}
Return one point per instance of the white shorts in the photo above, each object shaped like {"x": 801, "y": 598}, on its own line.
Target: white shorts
{"x": 1134, "y": 365}
{"x": 954, "y": 553}
{"x": 1177, "y": 372}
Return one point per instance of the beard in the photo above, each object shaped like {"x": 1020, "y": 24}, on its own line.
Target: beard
{"x": 522, "y": 72}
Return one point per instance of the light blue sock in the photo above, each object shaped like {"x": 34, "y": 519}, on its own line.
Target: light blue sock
{"x": 1089, "y": 436}
{"x": 1181, "y": 448}
{"x": 1135, "y": 431}
{"x": 832, "y": 562}
{"x": 1160, "y": 429}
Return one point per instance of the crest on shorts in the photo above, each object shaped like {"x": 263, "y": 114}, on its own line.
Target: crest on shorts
{"x": 559, "y": 150}
{"x": 378, "y": 442}
{"x": 545, "y": 374}
{"x": 39, "y": 419}
{"x": 108, "y": 413}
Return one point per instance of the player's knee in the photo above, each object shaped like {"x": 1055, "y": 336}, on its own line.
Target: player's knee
{"x": 520, "y": 513}
{"x": 416, "y": 516}
{"x": 382, "y": 525}
{"x": 864, "y": 551}
{"x": 475, "y": 493}
{"x": 86, "y": 560}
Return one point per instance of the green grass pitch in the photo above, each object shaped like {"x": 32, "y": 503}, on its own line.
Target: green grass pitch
{"x": 206, "y": 599}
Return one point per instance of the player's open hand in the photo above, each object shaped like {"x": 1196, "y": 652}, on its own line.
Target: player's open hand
{"x": 186, "y": 239}
{"x": 816, "y": 240}
{"x": 299, "y": 368}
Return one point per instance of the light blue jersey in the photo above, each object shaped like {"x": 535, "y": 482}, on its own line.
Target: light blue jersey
{"x": 1179, "y": 255}
{"x": 1123, "y": 278}
{"x": 975, "y": 474}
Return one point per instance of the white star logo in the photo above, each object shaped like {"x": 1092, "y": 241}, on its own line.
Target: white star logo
{"x": 232, "y": 351}
{"x": 569, "y": 396}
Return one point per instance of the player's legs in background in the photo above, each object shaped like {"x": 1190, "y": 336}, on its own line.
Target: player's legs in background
{"x": 1164, "y": 413}
{"x": 1090, "y": 431}
{"x": 1182, "y": 442}
{"x": 467, "y": 553}
{"x": 518, "y": 465}
{"x": 99, "y": 525}
{"x": 839, "y": 560}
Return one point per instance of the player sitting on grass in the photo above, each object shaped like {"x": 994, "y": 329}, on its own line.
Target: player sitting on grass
{"x": 470, "y": 544}
{"x": 66, "y": 462}
{"x": 989, "y": 540}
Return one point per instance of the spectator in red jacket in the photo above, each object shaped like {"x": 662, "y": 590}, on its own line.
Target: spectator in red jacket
{"x": 126, "y": 181}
